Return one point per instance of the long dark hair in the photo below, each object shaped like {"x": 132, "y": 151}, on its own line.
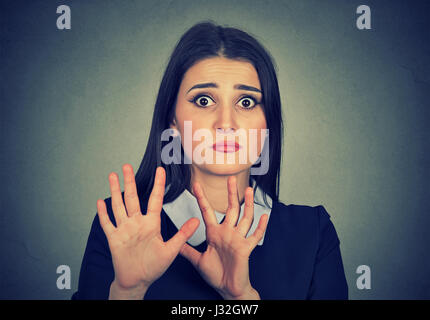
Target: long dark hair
{"x": 206, "y": 40}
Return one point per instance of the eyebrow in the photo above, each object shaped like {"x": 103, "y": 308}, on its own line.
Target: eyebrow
{"x": 214, "y": 85}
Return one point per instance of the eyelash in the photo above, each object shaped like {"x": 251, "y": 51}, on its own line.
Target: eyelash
{"x": 196, "y": 97}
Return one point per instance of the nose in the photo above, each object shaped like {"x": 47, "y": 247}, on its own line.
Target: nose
{"x": 225, "y": 121}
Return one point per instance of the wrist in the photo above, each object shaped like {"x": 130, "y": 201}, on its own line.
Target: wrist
{"x": 250, "y": 294}
{"x": 118, "y": 292}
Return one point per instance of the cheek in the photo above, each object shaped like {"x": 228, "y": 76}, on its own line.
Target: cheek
{"x": 256, "y": 120}
{"x": 262, "y": 124}
{"x": 194, "y": 131}
{"x": 261, "y": 121}
{"x": 255, "y": 142}
{"x": 185, "y": 112}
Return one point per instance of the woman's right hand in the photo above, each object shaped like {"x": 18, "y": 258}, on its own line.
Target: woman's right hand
{"x": 139, "y": 254}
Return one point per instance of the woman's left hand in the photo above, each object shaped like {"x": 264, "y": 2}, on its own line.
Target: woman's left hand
{"x": 224, "y": 264}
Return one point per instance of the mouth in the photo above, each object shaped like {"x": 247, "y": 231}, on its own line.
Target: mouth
{"x": 226, "y": 146}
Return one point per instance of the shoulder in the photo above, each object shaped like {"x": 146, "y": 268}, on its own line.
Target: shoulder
{"x": 300, "y": 213}
{"x": 304, "y": 220}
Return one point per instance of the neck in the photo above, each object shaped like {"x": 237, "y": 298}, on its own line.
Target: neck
{"x": 215, "y": 187}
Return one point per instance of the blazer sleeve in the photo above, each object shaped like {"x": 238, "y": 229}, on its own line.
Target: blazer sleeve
{"x": 97, "y": 271}
{"x": 328, "y": 279}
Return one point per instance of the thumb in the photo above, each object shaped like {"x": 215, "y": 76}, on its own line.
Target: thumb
{"x": 177, "y": 241}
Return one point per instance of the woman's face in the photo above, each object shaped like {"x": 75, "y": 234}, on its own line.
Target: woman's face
{"x": 222, "y": 96}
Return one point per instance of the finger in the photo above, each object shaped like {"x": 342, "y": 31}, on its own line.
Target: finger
{"x": 259, "y": 232}
{"x": 105, "y": 222}
{"x": 233, "y": 209}
{"x": 130, "y": 191}
{"x": 155, "y": 202}
{"x": 207, "y": 211}
{"x": 248, "y": 216}
{"x": 177, "y": 241}
{"x": 117, "y": 203}
{"x": 191, "y": 254}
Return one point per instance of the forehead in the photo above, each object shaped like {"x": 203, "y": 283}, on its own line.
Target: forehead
{"x": 223, "y": 71}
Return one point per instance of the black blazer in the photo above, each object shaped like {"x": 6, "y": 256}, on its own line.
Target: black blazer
{"x": 299, "y": 259}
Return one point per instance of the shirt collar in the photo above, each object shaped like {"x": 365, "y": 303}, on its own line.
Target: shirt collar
{"x": 185, "y": 206}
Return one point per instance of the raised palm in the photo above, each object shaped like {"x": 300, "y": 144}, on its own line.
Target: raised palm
{"x": 139, "y": 254}
{"x": 224, "y": 264}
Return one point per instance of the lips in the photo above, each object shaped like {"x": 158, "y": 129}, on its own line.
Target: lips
{"x": 226, "y": 146}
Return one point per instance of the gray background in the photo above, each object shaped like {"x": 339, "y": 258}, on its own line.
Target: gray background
{"x": 77, "y": 104}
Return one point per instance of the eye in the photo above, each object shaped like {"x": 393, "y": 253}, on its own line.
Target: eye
{"x": 249, "y": 102}
{"x": 201, "y": 101}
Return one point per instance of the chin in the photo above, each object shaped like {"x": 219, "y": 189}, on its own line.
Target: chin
{"x": 224, "y": 169}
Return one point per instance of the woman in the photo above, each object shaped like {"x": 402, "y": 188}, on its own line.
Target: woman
{"x": 203, "y": 228}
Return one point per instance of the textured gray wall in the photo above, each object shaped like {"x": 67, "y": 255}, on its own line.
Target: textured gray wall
{"x": 77, "y": 104}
